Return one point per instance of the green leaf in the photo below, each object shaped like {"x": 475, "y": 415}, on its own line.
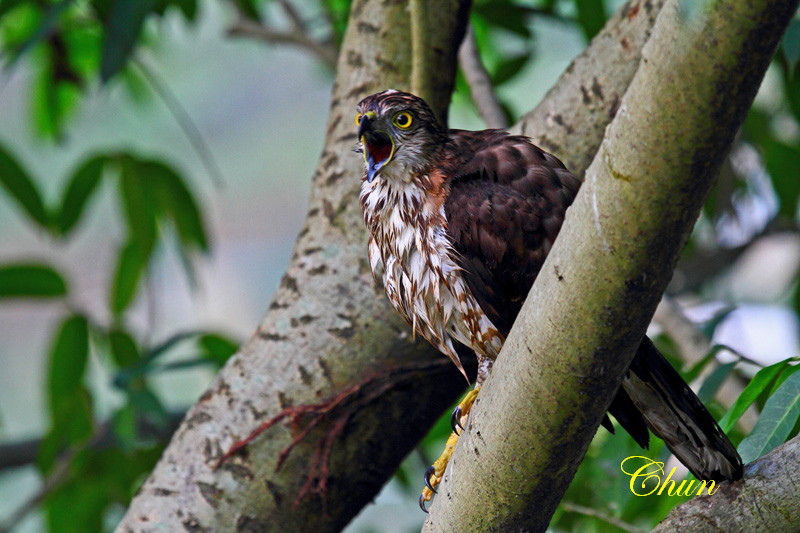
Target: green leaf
{"x": 692, "y": 374}
{"x": 71, "y": 425}
{"x": 249, "y": 9}
{"x": 510, "y": 67}
{"x": 779, "y": 416}
{"x": 68, "y": 358}
{"x": 591, "y": 16}
{"x": 714, "y": 381}
{"x": 760, "y": 382}
{"x": 8, "y": 5}
{"x": 781, "y": 159}
{"x": 148, "y": 406}
{"x": 163, "y": 347}
{"x": 783, "y": 376}
{"x": 124, "y": 349}
{"x": 122, "y": 31}
{"x": 187, "y": 7}
{"x": 70, "y": 403}
{"x": 337, "y": 12}
{"x": 30, "y": 281}
{"x": 783, "y": 164}
{"x": 505, "y": 15}
{"x": 710, "y": 326}
{"x": 137, "y": 193}
{"x": 77, "y": 506}
{"x": 130, "y": 266}
{"x": 47, "y": 28}
{"x": 217, "y": 348}
{"x": 183, "y": 364}
{"x": 79, "y": 190}
{"x": 57, "y": 91}
{"x": 21, "y": 188}
{"x": 791, "y": 43}
{"x": 124, "y": 424}
{"x": 177, "y": 202}
{"x": 791, "y": 88}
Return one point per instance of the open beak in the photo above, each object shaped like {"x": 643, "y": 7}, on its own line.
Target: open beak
{"x": 378, "y": 145}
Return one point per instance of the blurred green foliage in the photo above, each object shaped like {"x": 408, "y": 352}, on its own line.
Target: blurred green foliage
{"x": 92, "y": 464}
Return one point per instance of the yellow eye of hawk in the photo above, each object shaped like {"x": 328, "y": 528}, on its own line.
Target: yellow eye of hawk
{"x": 358, "y": 118}
{"x": 403, "y": 120}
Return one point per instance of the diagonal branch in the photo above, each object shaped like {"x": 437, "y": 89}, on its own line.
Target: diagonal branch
{"x": 297, "y": 36}
{"x": 327, "y": 330}
{"x": 328, "y": 327}
{"x": 593, "y": 299}
{"x": 480, "y": 84}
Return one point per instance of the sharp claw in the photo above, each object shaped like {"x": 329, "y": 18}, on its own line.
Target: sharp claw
{"x": 428, "y": 473}
{"x": 422, "y": 503}
{"x": 455, "y": 420}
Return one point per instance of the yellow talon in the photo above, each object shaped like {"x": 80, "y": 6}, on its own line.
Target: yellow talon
{"x": 461, "y": 412}
{"x": 434, "y": 474}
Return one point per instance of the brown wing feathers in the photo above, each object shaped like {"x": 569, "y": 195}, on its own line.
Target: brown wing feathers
{"x": 505, "y": 208}
{"x": 506, "y": 205}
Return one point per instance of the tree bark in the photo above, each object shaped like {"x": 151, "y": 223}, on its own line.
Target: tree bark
{"x": 329, "y": 338}
{"x": 571, "y": 119}
{"x": 767, "y": 499}
{"x": 594, "y": 297}
{"x": 329, "y": 331}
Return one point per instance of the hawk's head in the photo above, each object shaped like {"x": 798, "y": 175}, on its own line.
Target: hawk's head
{"x": 399, "y": 128}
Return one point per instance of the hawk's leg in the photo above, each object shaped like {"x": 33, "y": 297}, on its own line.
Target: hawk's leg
{"x": 434, "y": 473}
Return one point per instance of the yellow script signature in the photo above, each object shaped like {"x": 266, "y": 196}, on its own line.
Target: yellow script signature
{"x": 646, "y": 471}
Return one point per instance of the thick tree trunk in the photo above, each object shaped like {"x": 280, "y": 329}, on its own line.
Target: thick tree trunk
{"x": 329, "y": 338}
{"x": 594, "y": 297}
{"x": 330, "y": 334}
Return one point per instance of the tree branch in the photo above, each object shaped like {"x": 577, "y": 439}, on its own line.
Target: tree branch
{"x": 329, "y": 328}
{"x": 587, "y": 311}
{"x": 246, "y": 27}
{"x": 594, "y": 513}
{"x": 766, "y": 499}
{"x": 428, "y": 57}
{"x": 480, "y": 84}
{"x": 330, "y": 339}
{"x": 572, "y": 118}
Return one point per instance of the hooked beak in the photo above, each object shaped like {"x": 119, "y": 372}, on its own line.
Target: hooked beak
{"x": 378, "y": 145}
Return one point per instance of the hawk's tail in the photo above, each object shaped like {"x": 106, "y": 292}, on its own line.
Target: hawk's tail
{"x": 667, "y": 406}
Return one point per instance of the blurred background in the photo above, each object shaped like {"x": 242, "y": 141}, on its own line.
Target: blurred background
{"x": 155, "y": 166}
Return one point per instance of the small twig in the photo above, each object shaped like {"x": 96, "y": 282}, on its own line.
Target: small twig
{"x": 480, "y": 84}
{"x": 61, "y": 474}
{"x": 24, "y": 452}
{"x": 594, "y": 513}
{"x": 294, "y": 16}
{"x": 184, "y": 120}
{"x": 244, "y": 27}
{"x": 546, "y": 13}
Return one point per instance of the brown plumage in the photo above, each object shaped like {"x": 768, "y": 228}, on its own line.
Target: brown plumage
{"x": 460, "y": 223}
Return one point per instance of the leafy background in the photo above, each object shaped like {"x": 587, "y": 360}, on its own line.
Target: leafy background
{"x": 154, "y": 168}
